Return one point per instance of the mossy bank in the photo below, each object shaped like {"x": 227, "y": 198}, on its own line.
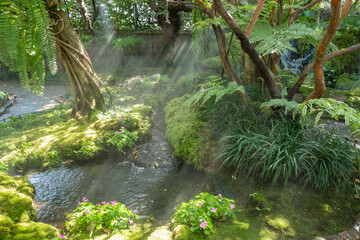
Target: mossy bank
{"x": 17, "y": 216}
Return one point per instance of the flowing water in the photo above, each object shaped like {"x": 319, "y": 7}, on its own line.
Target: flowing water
{"x": 148, "y": 180}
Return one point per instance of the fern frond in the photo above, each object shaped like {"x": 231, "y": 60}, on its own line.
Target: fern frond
{"x": 25, "y": 39}
{"x": 278, "y": 39}
{"x": 217, "y": 92}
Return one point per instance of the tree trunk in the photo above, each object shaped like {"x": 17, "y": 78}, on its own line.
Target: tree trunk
{"x": 318, "y": 68}
{"x": 250, "y": 50}
{"x": 73, "y": 56}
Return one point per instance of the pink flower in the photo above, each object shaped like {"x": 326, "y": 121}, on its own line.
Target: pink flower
{"x": 97, "y": 205}
{"x": 341, "y": 96}
{"x": 98, "y": 138}
{"x": 12, "y": 114}
{"x": 104, "y": 203}
{"x": 120, "y": 120}
{"x": 84, "y": 199}
{"x": 203, "y": 224}
{"x": 129, "y": 115}
{"x": 135, "y": 225}
{"x": 79, "y": 204}
{"x": 123, "y": 118}
{"x": 87, "y": 211}
{"x": 232, "y": 206}
{"x": 202, "y": 89}
{"x": 122, "y": 127}
{"x": 200, "y": 204}
{"x": 220, "y": 195}
{"x": 131, "y": 221}
{"x": 91, "y": 223}
{"x": 99, "y": 210}
{"x": 113, "y": 203}
{"x": 213, "y": 210}
{"x": 61, "y": 236}
{"x": 134, "y": 211}
{"x": 117, "y": 131}
{"x": 5, "y": 129}
{"x": 89, "y": 228}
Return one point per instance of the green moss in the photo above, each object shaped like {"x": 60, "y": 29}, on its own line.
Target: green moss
{"x": 34, "y": 231}
{"x": 55, "y": 136}
{"x": 144, "y": 229}
{"x": 183, "y": 232}
{"x": 16, "y": 205}
{"x": 280, "y": 224}
{"x": 21, "y": 184}
{"x": 5, "y": 227}
{"x": 187, "y": 133}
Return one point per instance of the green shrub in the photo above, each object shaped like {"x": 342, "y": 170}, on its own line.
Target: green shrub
{"x": 200, "y": 212}
{"x": 348, "y": 81}
{"x": 212, "y": 64}
{"x": 121, "y": 139}
{"x": 346, "y": 63}
{"x": 88, "y": 217}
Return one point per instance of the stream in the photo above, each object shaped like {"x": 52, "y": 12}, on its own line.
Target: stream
{"x": 149, "y": 180}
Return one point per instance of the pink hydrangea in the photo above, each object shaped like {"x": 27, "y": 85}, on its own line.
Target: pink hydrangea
{"x": 203, "y": 224}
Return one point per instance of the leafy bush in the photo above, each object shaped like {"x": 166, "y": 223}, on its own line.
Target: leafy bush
{"x": 3, "y": 167}
{"x": 88, "y": 217}
{"x": 121, "y": 139}
{"x": 200, "y": 212}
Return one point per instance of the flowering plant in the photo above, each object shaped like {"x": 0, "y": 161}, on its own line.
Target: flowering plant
{"x": 121, "y": 138}
{"x": 106, "y": 216}
{"x": 200, "y": 212}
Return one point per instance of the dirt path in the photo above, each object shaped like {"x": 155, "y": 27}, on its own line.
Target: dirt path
{"x": 28, "y": 101}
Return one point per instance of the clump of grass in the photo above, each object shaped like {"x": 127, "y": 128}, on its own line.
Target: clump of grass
{"x": 279, "y": 149}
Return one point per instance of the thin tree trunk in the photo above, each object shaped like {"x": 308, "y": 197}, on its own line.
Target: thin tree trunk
{"x": 254, "y": 18}
{"x": 320, "y": 87}
{"x": 73, "y": 56}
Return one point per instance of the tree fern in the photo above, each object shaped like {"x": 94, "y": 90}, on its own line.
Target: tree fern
{"x": 218, "y": 91}
{"x": 278, "y": 39}
{"x": 26, "y": 40}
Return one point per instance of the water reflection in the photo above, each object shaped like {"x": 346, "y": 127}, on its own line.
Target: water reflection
{"x": 151, "y": 191}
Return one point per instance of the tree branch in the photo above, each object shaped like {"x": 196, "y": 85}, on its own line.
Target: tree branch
{"x": 345, "y": 9}
{"x": 308, "y": 69}
{"x": 294, "y": 16}
{"x": 254, "y": 18}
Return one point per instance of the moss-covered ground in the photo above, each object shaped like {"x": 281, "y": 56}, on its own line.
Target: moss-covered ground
{"x": 17, "y": 215}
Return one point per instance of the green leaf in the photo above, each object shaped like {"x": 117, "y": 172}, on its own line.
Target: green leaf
{"x": 317, "y": 118}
